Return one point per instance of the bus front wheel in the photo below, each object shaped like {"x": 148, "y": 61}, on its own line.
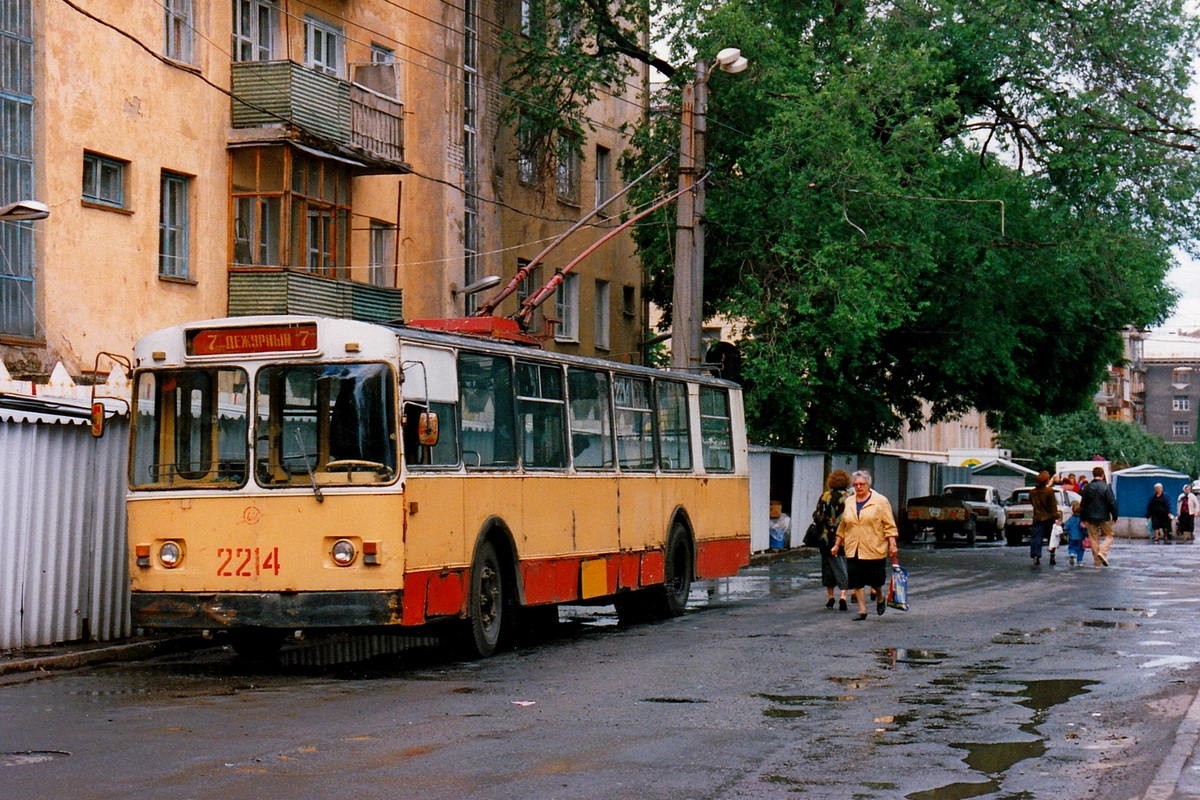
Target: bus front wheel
{"x": 677, "y": 573}
{"x": 485, "y": 608}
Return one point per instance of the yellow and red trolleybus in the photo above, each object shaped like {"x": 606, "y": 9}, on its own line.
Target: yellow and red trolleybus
{"x": 292, "y": 473}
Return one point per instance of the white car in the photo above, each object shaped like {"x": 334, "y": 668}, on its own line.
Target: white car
{"x": 986, "y": 506}
{"x": 1020, "y": 512}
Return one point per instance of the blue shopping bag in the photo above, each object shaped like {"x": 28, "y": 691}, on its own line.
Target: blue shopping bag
{"x": 898, "y": 593}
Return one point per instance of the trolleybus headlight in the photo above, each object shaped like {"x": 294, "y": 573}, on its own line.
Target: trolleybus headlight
{"x": 170, "y": 554}
{"x": 343, "y": 552}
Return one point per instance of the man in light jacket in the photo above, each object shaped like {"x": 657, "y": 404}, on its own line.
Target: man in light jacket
{"x": 1098, "y": 510}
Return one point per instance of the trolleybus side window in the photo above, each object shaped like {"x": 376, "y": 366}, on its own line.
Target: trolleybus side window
{"x": 716, "y": 429}
{"x": 336, "y": 420}
{"x": 635, "y": 423}
{"x": 591, "y": 419}
{"x": 541, "y": 414}
{"x": 486, "y": 404}
{"x": 190, "y": 427}
{"x": 674, "y": 437}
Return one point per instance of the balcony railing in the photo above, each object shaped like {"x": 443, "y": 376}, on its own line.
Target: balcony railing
{"x": 270, "y": 290}
{"x": 352, "y": 119}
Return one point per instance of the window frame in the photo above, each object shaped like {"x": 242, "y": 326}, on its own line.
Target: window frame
{"x": 528, "y": 405}
{"x": 645, "y": 429}
{"x": 1181, "y": 428}
{"x": 602, "y": 324}
{"x": 567, "y": 168}
{"x": 179, "y": 25}
{"x": 174, "y": 226}
{"x": 95, "y": 163}
{"x": 671, "y": 398}
{"x": 1181, "y": 402}
{"x": 708, "y": 421}
{"x": 324, "y": 32}
{"x": 603, "y": 173}
{"x": 381, "y": 253}
{"x": 251, "y": 40}
{"x": 604, "y": 416}
{"x": 566, "y": 309}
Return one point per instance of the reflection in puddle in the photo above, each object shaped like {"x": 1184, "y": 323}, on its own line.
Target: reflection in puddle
{"x": 993, "y": 759}
{"x": 1169, "y": 661}
{"x": 1100, "y": 623}
{"x": 904, "y": 658}
{"x": 794, "y": 706}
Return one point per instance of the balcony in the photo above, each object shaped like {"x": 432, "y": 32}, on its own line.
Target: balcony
{"x": 273, "y": 290}
{"x": 353, "y": 120}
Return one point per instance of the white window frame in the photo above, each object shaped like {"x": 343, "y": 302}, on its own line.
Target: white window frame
{"x": 566, "y": 309}
{"x": 1180, "y": 428}
{"x": 566, "y": 173}
{"x": 260, "y": 40}
{"x": 1181, "y": 403}
{"x": 173, "y": 226}
{"x": 382, "y": 256}
{"x": 603, "y": 173}
{"x": 603, "y": 303}
{"x": 324, "y": 36}
{"x": 179, "y": 26}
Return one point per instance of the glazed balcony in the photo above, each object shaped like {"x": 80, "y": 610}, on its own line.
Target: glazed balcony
{"x": 356, "y": 120}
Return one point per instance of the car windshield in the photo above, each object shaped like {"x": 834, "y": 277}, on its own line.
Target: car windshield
{"x": 976, "y": 494}
{"x": 1019, "y": 497}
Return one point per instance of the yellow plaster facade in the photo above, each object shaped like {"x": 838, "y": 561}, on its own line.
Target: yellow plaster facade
{"x": 118, "y": 89}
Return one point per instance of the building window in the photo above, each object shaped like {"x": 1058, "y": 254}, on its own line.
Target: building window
{"x": 1181, "y": 429}
{"x": 628, "y": 301}
{"x": 323, "y": 47}
{"x": 383, "y": 253}
{"x": 566, "y": 184}
{"x": 603, "y": 169}
{"x": 254, "y": 26}
{"x": 17, "y": 284}
{"x": 1181, "y": 402}
{"x": 1181, "y": 376}
{"x": 527, "y": 153}
{"x": 602, "y": 314}
{"x": 179, "y": 27}
{"x": 103, "y": 180}
{"x": 173, "y": 227}
{"x": 566, "y": 308}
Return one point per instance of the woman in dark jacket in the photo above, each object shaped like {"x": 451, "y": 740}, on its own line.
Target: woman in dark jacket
{"x": 1045, "y": 513}
{"x": 1158, "y": 511}
{"x": 827, "y": 515}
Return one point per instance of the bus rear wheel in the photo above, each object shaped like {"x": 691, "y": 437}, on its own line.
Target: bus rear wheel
{"x": 485, "y": 603}
{"x": 677, "y": 574}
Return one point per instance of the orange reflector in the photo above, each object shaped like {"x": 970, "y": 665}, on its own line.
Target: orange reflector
{"x": 370, "y": 548}
{"x": 142, "y": 550}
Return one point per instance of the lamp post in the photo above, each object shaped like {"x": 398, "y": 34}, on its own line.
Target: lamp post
{"x": 24, "y": 210}
{"x": 687, "y": 338}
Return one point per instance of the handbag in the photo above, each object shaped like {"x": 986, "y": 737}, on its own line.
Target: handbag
{"x": 898, "y": 593}
{"x": 812, "y": 536}
{"x": 841, "y": 572}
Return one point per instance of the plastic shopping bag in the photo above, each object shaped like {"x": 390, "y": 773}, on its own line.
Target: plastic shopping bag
{"x": 898, "y": 593}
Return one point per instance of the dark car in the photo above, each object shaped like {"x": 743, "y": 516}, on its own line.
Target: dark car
{"x": 945, "y": 515}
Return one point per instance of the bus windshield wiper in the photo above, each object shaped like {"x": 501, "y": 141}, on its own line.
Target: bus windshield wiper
{"x": 311, "y": 477}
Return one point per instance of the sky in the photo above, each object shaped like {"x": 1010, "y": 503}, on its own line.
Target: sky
{"x": 1185, "y": 278}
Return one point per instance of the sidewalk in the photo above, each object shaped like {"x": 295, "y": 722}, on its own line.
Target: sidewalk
{"x": 79, "y": 654}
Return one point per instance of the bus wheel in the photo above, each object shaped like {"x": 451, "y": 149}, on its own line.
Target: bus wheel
{"x": 257, "y": 644}
{"x": 677, "y": 573}
{"x": 485, "y": 606}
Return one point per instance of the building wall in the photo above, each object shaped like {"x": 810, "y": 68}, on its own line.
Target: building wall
{"x": 101, "y": 86}
{"x": 1172, "y": 398}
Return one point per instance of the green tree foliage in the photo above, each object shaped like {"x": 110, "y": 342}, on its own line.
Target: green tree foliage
{"x": 1082, "y": 435}
{"x": 956, "y": 203}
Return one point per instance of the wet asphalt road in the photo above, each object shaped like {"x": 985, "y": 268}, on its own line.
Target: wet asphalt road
{"x": 1003, "y": 681}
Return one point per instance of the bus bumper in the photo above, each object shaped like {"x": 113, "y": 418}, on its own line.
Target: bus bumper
{"x": 193, "y": 610}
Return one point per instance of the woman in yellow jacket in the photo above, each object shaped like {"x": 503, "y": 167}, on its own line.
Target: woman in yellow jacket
{"x": 867, "y": 536}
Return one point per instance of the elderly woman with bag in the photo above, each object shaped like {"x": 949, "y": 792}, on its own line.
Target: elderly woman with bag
{"x": 826, "y": 517}
{"x": 867, "y": 535}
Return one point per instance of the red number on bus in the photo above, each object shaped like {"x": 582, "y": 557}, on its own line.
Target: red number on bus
{"x": 228, "y": 557}
{"x": 241, "y": 570}
{"x": 271, "y": 562}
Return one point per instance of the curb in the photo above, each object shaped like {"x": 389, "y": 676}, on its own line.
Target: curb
{"x": 86, "y": 654}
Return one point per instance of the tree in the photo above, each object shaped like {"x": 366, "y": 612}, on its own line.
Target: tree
{"x": 955, "y": 201}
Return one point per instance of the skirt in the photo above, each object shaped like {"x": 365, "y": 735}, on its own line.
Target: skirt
{"x": 867, "y": 572}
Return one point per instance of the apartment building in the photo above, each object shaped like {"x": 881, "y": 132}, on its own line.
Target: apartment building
{"x": 344, "y": 157}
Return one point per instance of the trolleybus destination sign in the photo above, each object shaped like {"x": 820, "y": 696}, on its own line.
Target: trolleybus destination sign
{"x": 252, "y": 339}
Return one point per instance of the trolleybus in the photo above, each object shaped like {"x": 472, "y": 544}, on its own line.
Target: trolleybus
{"x": 290, "y": 473}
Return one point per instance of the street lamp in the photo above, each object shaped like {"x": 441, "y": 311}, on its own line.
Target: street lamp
{"x": 687, "y": 302}
{"x": 24, "y": 210}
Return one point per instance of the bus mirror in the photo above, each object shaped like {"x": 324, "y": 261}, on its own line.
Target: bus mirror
{"x": 427, "y": 429}
{"x": 97, "y": 420}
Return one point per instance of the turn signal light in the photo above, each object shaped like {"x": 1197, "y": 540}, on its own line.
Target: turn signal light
{"x": 142, "y": 551}
{"x": 371, "y": 553}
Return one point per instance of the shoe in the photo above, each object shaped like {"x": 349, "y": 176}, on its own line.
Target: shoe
{"x": 830, "y": 603}
{"x": 881, "y": 607}
{"x": 860, "y": 617}
{"x": 1072, "y": 561}
{"x": 1052, "y": 559}
{"x": 841, "y": 605}
{"x": 1103, "y": 559}
{"x": 1037, "y": 562}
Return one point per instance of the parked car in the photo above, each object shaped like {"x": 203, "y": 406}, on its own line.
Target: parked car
{"x": 985, "y": 503}
{"x": 943, "y": 514}
{"x": 1020, "y": 513}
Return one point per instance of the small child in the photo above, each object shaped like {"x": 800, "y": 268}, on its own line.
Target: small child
{"x": 1075, "y": 533}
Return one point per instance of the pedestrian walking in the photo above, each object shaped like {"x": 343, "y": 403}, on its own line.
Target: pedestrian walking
{"x": 1188, "y": 506}
{"x": 1045, "y": 513}
{"x": 1075, "y": 535}
{"x": 1098, "y": 507}
{"x": 1158, "y": 513}
{"x": 827, "y": 515}
{"x": 866, "y": 535}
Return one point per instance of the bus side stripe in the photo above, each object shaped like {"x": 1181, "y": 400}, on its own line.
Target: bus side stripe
{"x": 721, "y": 557}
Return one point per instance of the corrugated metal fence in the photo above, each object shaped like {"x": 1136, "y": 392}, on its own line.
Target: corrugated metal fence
{"x": 62, "y": 528}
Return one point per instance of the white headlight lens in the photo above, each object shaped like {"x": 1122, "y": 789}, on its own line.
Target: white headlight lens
{"x": 343, "y": 553}
{"x": 169, "y": 554}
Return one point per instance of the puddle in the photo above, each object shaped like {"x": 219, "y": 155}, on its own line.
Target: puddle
{"x": 1101, "y": 623}
{"x": 22, "y": 758}
{"x": 993, "y": 759}
{"x": 672, "y": 700}
{"x": 1169, "y": 661}
{"x": 795, "y": 706}
{"x": 904, "y": 658}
